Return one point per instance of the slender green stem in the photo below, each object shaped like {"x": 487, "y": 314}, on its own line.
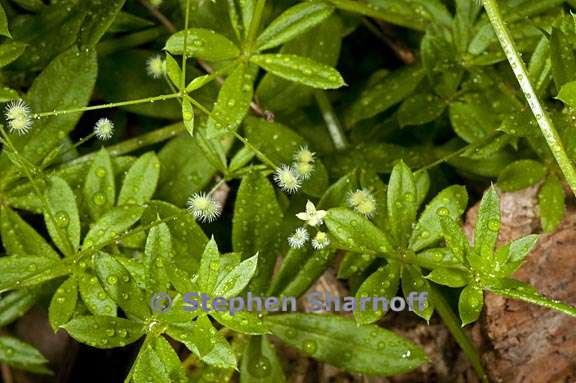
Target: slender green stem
{"x": 260, "y": 155}
{"x": 184, "y": 51}
{"x": 107, "y": 106}
{"x": 331, "y": 120}
{"x": 139, "y": 142}
{"x": 544, "y": 121}
{"x": 217, "y": 186}
{"x": 453, "y": 324}
{"x": 459, "y": 152}
{"x": 255, "y": 24}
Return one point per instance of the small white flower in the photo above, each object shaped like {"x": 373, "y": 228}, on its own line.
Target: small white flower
{"x": 298, "y": 239}
{"x": 362, "y": 201}
{"x": 304, "y": 155}
{"x": 18, "y": 116}
{"x": 104, "y": 129}
{"x": 321, "y": 241}
{"x": 204, "y": 207}
{"x": 287, "y": 179}
{"x": 156, "y": 67}
{"x": 312, "y": 216}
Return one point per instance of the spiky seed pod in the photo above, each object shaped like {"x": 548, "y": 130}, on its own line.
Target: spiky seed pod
{"x": 104, "y": 129}
{"x": 18, "y": 117}
{"x": 287, "y": 179}
{"x": 156, "y": 67}
{"x": 321, "y": 241}
{"x": 299, "y": 238}
{"x": 204, "y": 207}
{"x": 362, "y": 201}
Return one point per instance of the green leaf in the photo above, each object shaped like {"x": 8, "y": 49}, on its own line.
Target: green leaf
{"x": 451, "y": 201}
{"x": 19, "y": 271}
{"x": 159, "y": 258}
{"x": 244, "y": 322}
{"x": 10, "y": 51}
{"x": 63, "y": 222}
{"x": 99, "y": 17}
{"x": 551, "y": 203}
{"x": 419, "y": 109}
{"x": 401, "y": 202}
{"x": 356, "y": 233}
{"x": 209, "y": 267}
{"x": 66, "y": 83}
{"x": 312, "y": 268}
{"x": 470, "y": 304}
{"x": 104, "y": 331}
{"x": 198, "y": 336}
{"x": 521, "y": 174}
{"x": 437, "y": 257}
{"x": 455, "y": 238}
{"x": 187, "y": 237}
{"x": 184, "y": 170}
{"x": 111, "y": 225}
{"x": 568, "y": 94}
{"x": 174, "y": 72}
{"x": 289, "y": 268}
{"x": 300, "y": 69}
{"x": 440, "y": 60}
{"x": 449, "y": 277}
{"x": 233, "y": 102}
{"x": 325, "y": 337}
{"x": 120, "y": 285}
{"x": 260, "y": 364}
{"x": 63, "y": 303}
{"x": 338, "y": 192}
{"x": 94, "y": 296}
{"x": 562, "y": 58}
{"x": 21, "y": 355}
{"x": 383, "y": 282}
{"x": 522, "y": 291}
{"x": 237, "y": 279}
{"x": 293, "y": 22}
{"x": 100, "y": 186}
{"x": 19, "y": 238}
{"x": 203, "y": 44}
{"x": 15, "y": 303}
{"x": 256, "y": 225}
{"x": 123, "y": 76}
{"x": 464, "y": 20}
{"x": 472, "y": 121}
{"x": 487, "y": 224}
{"x": 188, "y": 116}
{"x": 509, "y": 258}
{"x": 169, "y": 359}
{"x": 140, "y": 181}
{"x": 353, "y": 263}
{"x": 149, "y": 368}
{"x": 414, "y": 282}
{"x": 4, "y": 23}
{"x": 520, "y": 124}
{"x": 286, "y": 143}
{"x": 322, "y": 44}
{"x": 379, "y": 96}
